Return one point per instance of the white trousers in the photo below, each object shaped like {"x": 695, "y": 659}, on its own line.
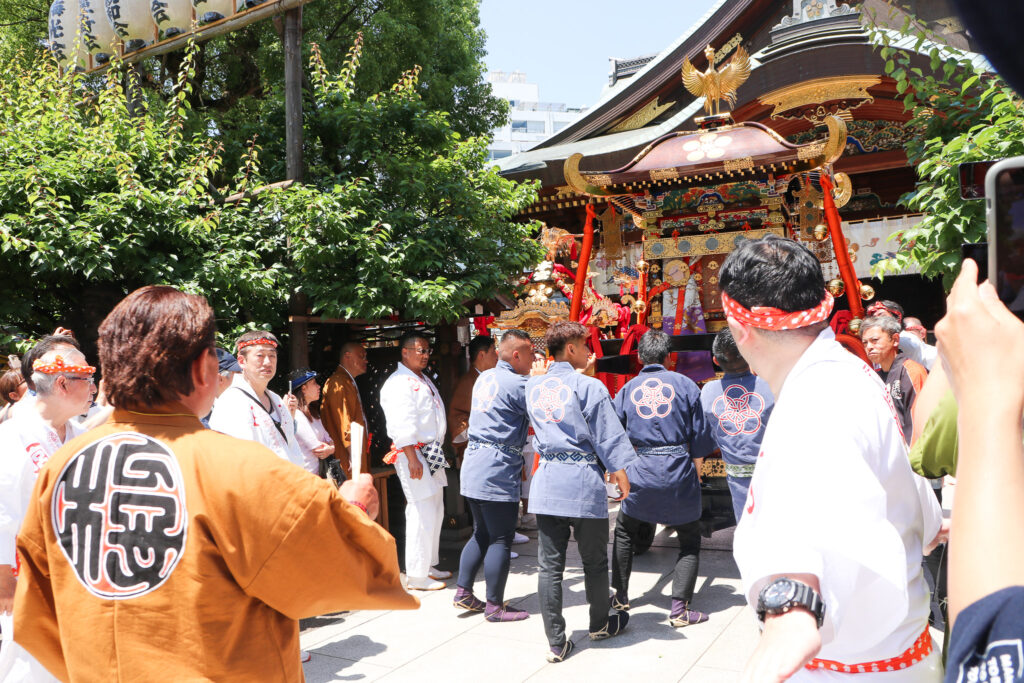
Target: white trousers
{"x": 423, "y": 519}
{"x": 16, "y": 664}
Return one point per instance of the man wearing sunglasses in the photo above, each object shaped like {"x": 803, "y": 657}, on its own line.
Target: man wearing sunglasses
{"x": 64, "y": 388}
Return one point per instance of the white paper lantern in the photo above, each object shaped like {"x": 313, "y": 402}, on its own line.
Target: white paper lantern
{"x": 172, "y": 17}
{"x": 66, "y": 38}
{"x": 208, "y": 11}
{"x": 246, "y": 4}
{"x": 132, "y": 22}
{"x": 100, "y": 38}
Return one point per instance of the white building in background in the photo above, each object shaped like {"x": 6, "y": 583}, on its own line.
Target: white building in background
{"x": 530, "y": 120}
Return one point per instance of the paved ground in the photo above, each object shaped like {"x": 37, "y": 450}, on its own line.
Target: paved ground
{"x": 438, "y": 642}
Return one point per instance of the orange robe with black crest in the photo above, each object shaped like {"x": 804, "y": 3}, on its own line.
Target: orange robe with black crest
{"x": 339, "y": 408}
{"x": 155, "y": 549}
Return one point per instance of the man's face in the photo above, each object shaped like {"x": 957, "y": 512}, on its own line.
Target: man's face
{"x": 485, "y": 360}
{"x": 259, "y": 363}
{"x": 416, "y": 355}
{"x": 576, "y": 353}
{"x": 78, "y": 389}
{"x": 355, "y": 361}
{"x": 880, "y": 345}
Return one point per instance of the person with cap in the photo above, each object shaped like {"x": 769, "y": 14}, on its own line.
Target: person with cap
{"x": 156, "y": 550}
{"x": 63, "y": 382}
{"x": 314, "y": 441}
{"x": 248, "y": 409}
{"x": 227, "y": 367}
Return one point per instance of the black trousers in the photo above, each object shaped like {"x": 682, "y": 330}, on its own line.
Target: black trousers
{"x": 552, "y": 541}
{"x": 684, "y": 579}
{"x": 494, "y": 525}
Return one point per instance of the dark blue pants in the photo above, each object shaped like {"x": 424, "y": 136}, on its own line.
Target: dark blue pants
{"x": 494, "y": 525}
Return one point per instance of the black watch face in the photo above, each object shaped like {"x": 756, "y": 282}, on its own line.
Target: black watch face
{"x": 778, "y": 593}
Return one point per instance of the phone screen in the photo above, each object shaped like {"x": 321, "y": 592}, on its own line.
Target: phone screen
{"x": 1007, "y": 224}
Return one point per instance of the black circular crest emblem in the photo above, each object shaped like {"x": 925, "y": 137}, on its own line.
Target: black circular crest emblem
{"x": 119, "y": 513}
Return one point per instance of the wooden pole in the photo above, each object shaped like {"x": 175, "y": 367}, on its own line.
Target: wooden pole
{"x": 293, "y": 160}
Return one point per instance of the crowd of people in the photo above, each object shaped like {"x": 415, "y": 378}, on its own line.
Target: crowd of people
{"x": 169, "y": 524}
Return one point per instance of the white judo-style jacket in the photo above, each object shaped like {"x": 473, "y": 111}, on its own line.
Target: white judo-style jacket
{"x": 26, "y": 444}
{"x": 834, "y": 495}
{"x": 239, "y": 413}
{"x": 414, "y": 414}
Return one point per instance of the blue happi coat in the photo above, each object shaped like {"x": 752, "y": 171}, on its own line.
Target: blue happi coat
{"x": 578, "y": 437}
{"x": 493, "y": 464}
{"x": 737, "y": 409}
{"x": 662, "y": 414}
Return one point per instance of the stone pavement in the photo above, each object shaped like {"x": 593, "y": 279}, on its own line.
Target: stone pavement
{"x": 439, "y": 643}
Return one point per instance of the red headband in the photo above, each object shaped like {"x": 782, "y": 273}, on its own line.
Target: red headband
{"x": 766, "y": 318}
{"x": 58, "y": 366}
{"x": 262, "y": 341}
{"x": 879, "y": 307}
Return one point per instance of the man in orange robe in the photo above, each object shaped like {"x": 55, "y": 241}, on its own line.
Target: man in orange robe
{"x": 342, "y": 405}
{"x": 154, "y": 549}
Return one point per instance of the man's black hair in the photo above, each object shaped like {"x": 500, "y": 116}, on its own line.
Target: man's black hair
{"x": 43, "y": 347}
{"x": 408, "y": 338}
{"x": 773, "y": 272}
{"x": 478, "y": 345}
{"x": 654, "y": 347}
{"x": 516, "y": 334}
{"x": 724, "y": 347}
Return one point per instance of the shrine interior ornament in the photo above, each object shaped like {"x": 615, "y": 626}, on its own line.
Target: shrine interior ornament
{"x": 677, "y": 273}
{"x": 132, "y": 22}
{"x": 716, "y": 85}
{"x": 843, "y": 191}
{"x": 836, "y": 287}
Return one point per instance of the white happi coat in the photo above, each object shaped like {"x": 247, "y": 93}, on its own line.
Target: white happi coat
{"x": 833, "y": 495}
{"x": 26, "y": 444}
{"x": 242, "y": 416}
{"x": 414, "y": 414}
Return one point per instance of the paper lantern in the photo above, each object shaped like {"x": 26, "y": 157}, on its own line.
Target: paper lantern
{"x": 172, "y": 17}
{"x": 132, "y": 22}
{"x": 208, "y": 11}
{"x": 100, "y": 38}
{"x": 246, "y": 4}
{"x": 66, "y": 37}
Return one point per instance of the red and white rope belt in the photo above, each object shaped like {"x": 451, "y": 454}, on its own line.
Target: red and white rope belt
{"x": 921, "y": 648}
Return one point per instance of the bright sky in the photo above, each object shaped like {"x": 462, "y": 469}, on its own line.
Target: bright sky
{"x": 564, "y": 45}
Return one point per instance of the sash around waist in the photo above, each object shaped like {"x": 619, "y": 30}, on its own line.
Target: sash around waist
{"x": 511, "y": 451}
{"x": 570, "y": 456}
{"x": 674, "y": 449}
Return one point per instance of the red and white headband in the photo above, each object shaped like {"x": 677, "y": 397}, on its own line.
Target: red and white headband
{"x": 58, "y": 365}
{"x": 767, "y": 318}
{"x": 262, "y": 341}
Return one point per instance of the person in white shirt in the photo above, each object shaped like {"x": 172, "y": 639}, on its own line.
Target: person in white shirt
{"x": 835, "y": 523}
{"x": 416, "y": 425}
{"x": 248, "y": 409}
{"x": 64, "y": 388}
{"x": 313, "y": 439}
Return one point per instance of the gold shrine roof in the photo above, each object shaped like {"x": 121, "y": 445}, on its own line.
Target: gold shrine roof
{"x": 732, "y": 152}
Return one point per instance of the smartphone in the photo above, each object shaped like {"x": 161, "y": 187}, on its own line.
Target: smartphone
{"x": 1004, "y": 197}
{"x": 979, "y": 252}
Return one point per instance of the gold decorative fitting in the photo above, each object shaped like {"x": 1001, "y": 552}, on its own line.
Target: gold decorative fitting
{"x": 641, "y": 118}
{"x": 722, "y": 84}
{"x": 642, "y": 266}
{"x": 701, "y": 245}
{"x": 821, "y": 232}
{"x": 820, "y": 90}
{"x": 843, "y": 190}
{"x": 836, "y": 143}
{"x": 677, "y": 273}
{"x": 812, "y": 151}
{"x": 836, "y": 287}
{"x": 664, "y": 174}
{"x": 855, "y": 325}
{"x": 867, "y": 292}
{"x": 639, "y": 307}
{"x": 586, "y": 185}
{"x": 739, "y": 164}
{"x": 601, "y": 179}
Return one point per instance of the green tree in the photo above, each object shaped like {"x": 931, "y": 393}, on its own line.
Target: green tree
{"x": 407, "y": 217}
{"x": 960, "y": 112}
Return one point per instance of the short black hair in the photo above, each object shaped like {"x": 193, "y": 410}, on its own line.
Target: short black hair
{"x": 561, "y": 333}
{"x": 724, "y": 347}
{"x": 43, "y": 347}
{"x": 516, "y": 334}
{"x": 773, "y": 272}
{"x": 407, "y": 339}
{"x": 654, "y": 347}
{"x": 478, "y": 345}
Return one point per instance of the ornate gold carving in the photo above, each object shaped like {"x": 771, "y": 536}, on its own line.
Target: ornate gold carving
{"x": 611, "y": 233}
{"x": 601, "y": 179}
{"x": 641, "y": 118}
{"x": 713, "y": 85}
{"x": 677, "y": 273}
{"x": 701, "y": 245}
{"x": 664, "y": 174}
{"x": 811, "y": 151}
{"x": 836, "y": 143}
{"x": 578, "y": 182}
{"x": 739, "y": 164}
{"x": 733, "y": 43}
{"x": 820, "y": 90}
{"x": 843, "y": 190}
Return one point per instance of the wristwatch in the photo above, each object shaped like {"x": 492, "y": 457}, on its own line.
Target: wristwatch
{"x": 782, "y": 595}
